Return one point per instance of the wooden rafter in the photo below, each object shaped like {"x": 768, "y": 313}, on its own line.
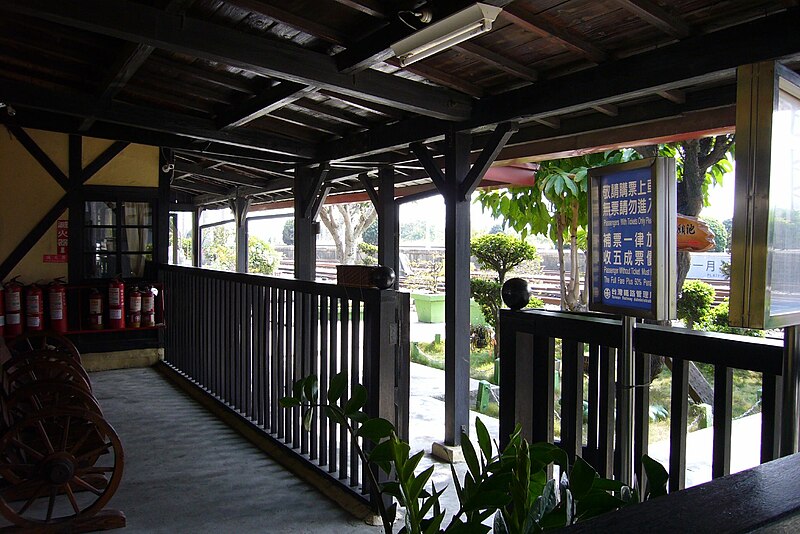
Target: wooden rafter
{"x": 138, "y": 23}
{"x": 77, "y": 104}
{"x": 128, "y": 62}
{"x": 494, "y": 144}
{"x": 368, "y": 7}
{"x": 192, "y": 169}
{"x": 498, "y": 61}
{"x": 659, "y": 17}
{"x": 268, "y": 101}
{"x": 642, "y": 75}
{"x": 521, "y": 18}
{"x": 443, "y": 78}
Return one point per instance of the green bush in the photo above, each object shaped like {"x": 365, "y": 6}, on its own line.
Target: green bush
{"x": 717, "y": 321}
{"x": 368, "y": 253}
{"x": 487, "y": 293}
{"x": 695, "y": 302}
{"x": 501, "y": 253}
{"x": 535, "y": 303}
{"x": 262, "y": 258}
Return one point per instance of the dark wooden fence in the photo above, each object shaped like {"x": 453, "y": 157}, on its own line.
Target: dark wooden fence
{"x": 245, "y": 339}
{"x": 527, "y": 353}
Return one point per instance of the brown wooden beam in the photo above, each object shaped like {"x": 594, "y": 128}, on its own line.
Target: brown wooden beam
{"x": 40, "y": 156}
{"x": 380, "y": 109}
{"x": 80, "y": 105}
{"x": 128, "y": 62}
{"x": 494, "y": 144}
{"x": 34, "y": 236}
{"x": 673, "y": 95}
{"x": 659, "y": 17}
{"x": 521, "y": 18}
{"x": 607, "y": 109}
{"x": 441, "y": 77}
{"x": 102, "y": 160}
{"x": 215, "y": 174}
{"x": 263, "y": 104}
{"x": 372, "y": 8}
{"x": 304, "y": 24}
{"x": 434, "y": 172}
{"x": 498, "y": 61}
{"x": 135, "y": 22}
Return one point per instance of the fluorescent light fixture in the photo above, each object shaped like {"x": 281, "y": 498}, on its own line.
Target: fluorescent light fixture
{"x": 445, "y": 33}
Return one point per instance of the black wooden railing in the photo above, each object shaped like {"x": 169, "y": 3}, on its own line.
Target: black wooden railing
{"x": 245, "y": 339}
{"x": 527, "y": 353}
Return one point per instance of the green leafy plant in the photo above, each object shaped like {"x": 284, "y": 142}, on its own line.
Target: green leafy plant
{"x": 512, "y": 484}
{"x": 695, "y": 302}
{"x": 716, "y": 320}
{"x": 368, "y": 253}
{"x": 261, "y": 256}
{"x": 501, "y": 253}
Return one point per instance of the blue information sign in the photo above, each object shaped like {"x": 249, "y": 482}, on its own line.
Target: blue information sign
{"x": 626, "y": 203}
{"x": 632, "y": 238}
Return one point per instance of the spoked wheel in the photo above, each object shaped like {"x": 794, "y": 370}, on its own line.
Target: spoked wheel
{"x": 44, "y": 365}
{"x": 45, "y": 394}
{"x": 66, "y": 465}
{"x": 43, "y": 340}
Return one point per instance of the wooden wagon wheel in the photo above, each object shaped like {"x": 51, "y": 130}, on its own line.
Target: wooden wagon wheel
{"x": 43, "y": 340}
{"x": 45, "y": 394}
{"x": 44, "y": 365}
{"x": 67, "y": 465}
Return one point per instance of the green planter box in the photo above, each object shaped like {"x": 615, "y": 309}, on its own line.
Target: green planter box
{"x": 476, "y": 314}
{"x": 430, "y": 307}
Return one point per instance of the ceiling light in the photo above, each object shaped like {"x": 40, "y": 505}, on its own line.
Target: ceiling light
{"x": 445, "y": 33}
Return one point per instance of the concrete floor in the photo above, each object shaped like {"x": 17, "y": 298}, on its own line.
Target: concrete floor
{"x": 186, "y": 471}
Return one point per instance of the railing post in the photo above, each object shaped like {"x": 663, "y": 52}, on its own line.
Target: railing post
{"x": 625, "y": 384}
{"x": 791, "y": 391}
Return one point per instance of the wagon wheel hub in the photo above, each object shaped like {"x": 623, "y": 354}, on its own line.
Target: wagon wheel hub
{"x": 59, "y": 469}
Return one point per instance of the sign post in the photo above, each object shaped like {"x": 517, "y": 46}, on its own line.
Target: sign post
{"x": 633, "y": 263}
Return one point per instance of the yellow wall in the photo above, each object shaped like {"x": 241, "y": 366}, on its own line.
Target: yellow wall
{"x": 136, "y": 165}
{"x": 27, "y": 192}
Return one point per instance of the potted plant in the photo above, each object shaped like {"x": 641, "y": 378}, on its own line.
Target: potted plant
{"x": 425, "y": 280}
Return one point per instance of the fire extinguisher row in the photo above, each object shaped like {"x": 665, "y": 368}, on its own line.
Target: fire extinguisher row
{"x": 14, "y": 318}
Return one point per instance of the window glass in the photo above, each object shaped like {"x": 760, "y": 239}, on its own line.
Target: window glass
{"x": 117, "y": 245}
{"x": 218, "y": 247}
{"x": 180, "y": 238}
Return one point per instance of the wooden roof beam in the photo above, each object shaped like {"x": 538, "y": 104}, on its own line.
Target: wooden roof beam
{"x": 673, "y": 95}
{"x": 663, "y": 69}
{"x": 607, "y": 109}
{"x": 523, "y": 19}
{"x": 194, "y": 169}
{"x": 441, "y": 77}
{"x": 337, "y": 114}
{"x": 657, "y": 16}
{"x": 372, "y": 8}
{"x": 268, "y": 101}
{"x": 74, "y": 104}
{"x": 136, "y": 22}
{"x": 285, "y": 16}
{"x": 128, "y": 62}
{"x": 360, "y": 103}
{"x": 498, "y": 61}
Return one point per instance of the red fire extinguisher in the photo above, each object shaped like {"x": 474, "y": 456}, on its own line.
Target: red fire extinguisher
{"x": 95, "y": 310}
{"x": 2, "y": 310}
{"x": 57, "y": 299}
{"x": 116, "y": 304}
{"x": 135, "y": 308}
{"x": 34, "y": 308}
{"x": 148, "y": 307}
{"x": 13, "y": 300}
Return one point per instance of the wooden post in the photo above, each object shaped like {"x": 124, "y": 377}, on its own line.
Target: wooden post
{"x": 166, "y": 158}
{"x": 388, "y": 223}
{"x": 309, "y": 196}
{"x": 240, "y": 208}
{"x": 456, "y": 240}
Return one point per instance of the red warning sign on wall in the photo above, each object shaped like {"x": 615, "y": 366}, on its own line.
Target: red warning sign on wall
{"x": 62, "y": 244}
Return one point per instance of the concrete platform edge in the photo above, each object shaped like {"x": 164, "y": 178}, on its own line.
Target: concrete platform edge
{"x": 345, "y": 499}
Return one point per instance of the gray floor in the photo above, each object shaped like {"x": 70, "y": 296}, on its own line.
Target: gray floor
{"x": 185, "y": 471}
